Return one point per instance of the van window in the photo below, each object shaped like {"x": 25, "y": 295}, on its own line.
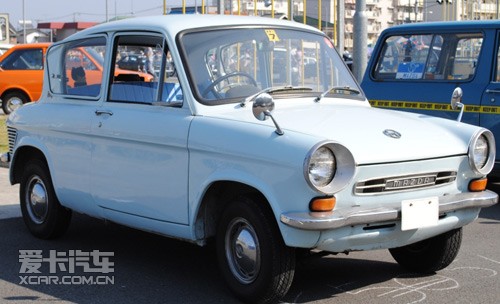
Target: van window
{"x": 429, "y": 57}
{"x": 497, "y": 70}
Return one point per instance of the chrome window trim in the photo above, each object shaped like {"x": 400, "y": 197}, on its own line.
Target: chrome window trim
{"x": 491, "y": 152}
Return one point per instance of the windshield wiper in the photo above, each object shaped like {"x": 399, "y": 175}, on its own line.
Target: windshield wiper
{"x": 345, "y": 88}
{"x": 274, "y": 90}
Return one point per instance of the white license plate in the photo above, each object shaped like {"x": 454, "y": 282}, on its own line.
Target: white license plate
{"x": 419, "y": 213}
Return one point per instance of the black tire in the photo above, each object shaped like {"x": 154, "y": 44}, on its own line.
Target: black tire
{"x": 429, "y": 255}
{"x": 42, "y": 213}
{"x": 12, "y": 101}
{"x": 263, "y": 270}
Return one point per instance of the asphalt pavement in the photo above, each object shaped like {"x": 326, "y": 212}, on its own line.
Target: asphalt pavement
{"x": 9, "y": 196}
{"x": 149, "y": 268}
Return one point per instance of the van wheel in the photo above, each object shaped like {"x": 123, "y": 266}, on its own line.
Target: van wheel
{"x": 42, "y": 213}
{"x": 254, "y": 261}
{"x": 429, "y": 255}
{"x": 12, "y": 101}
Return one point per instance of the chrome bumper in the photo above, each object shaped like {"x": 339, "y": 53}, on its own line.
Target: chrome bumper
{"x": 360, "y": 216}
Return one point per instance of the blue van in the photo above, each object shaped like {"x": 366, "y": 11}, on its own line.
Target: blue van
{"x": 419, "y": 67}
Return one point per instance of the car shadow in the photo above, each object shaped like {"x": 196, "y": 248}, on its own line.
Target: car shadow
{"x": 149, "y": 268}
{"x": 493, "y": 212}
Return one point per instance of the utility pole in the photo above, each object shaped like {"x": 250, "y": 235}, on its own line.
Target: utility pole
{"x": 220, "y": 7}
{"x": 340, "y": 25}
{"x": 360, "y": 40}
{"x": 24, "y": 23}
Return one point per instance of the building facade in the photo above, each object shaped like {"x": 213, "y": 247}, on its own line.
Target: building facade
{"x": 380, "y": 14}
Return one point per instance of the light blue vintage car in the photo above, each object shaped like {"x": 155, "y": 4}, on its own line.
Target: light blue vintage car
{"x": 232, "y": 141}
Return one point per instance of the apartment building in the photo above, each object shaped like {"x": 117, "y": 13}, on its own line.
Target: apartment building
{"x": 380, "y": 14}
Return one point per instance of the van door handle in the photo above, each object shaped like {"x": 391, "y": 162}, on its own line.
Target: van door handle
{"x": 493, "y": 91}
{"x": 103, "y": 112}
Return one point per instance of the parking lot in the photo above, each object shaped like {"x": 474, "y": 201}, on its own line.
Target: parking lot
{"x": 152, "y": 269}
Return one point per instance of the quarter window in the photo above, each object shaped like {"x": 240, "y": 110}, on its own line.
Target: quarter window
{"x": 79, "y": 73}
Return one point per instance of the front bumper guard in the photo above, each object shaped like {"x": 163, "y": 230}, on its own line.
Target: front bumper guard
{"x": 359, "y": 216}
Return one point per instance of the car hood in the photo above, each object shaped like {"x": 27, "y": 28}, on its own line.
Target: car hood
{"x": 369, "y": 133}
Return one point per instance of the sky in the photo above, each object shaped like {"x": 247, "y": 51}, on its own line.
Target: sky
{"x": 82, "y": 10}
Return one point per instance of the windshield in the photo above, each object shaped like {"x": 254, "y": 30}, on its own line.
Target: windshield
{"x": 228, "y": 65}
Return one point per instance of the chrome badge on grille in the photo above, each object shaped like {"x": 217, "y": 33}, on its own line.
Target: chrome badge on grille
{"x": 410, "y": 182}
{"x": 404, "y": 182}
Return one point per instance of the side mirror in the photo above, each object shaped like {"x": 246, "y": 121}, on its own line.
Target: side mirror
{"x": 262, "y": 108}
{"x": 456, "y": 102}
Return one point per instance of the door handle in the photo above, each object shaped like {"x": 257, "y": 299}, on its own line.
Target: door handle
{"x": 103, "y": 112}
{"x": 493, "y": 91}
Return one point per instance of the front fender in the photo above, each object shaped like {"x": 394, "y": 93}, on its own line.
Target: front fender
{"x": 252, "y": 155}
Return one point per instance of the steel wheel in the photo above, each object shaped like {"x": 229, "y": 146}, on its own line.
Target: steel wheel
{"x": 42, "y": 213}
{"x": 36, "y": 200}
{"x": 13, "y": 101}
{"x": 255, "y": 262}
{"x": 242, "y": 250}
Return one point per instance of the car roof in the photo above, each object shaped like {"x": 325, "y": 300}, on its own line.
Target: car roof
{"x": 174, "y": 24}
{"x": 31, "y": 45}
{"x": 446, "y": 25}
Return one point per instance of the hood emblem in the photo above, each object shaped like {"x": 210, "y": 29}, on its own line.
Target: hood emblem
{"x": 392, "y": 134}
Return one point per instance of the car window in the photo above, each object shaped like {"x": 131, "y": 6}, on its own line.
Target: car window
{"x": 24, "y": 59}
{"x": 497, "y": 70}
{"x": 429, "y": 57}
{"x": 143, "y": 71}
{"x": 75, "y": 68}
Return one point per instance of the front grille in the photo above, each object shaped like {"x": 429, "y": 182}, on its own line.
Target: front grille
{"x": 404, "y": 183}
{"x": 12, "y": 134}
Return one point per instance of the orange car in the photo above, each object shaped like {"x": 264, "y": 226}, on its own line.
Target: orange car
{"x": 21, "y": 72}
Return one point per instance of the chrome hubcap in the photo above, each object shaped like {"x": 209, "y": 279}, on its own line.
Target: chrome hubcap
{"x": 242, "y": 250}
{"x": 14, "y": 103}
{"x": 37, "y": 200}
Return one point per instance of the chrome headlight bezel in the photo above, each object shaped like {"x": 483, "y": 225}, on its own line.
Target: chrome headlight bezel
{"x": 343, "y": 169}
{"x": 477, "y": 140}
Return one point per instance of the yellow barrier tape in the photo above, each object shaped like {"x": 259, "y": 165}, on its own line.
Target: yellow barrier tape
{"x": 432, "y": 106}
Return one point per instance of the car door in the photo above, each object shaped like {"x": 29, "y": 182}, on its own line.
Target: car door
{"x": 140, "y": 157}
{"x": 23, "y": 69}
{"x": 490, "y": 102}
{"x": 68, "y": 111}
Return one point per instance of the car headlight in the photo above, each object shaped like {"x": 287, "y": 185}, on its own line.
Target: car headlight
{"x": 482, "y": 152}
{"x": 322, "y": 167}
{"x": 328, "y": 167}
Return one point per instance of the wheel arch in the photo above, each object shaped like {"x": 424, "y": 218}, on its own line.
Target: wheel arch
{"x": 21, "y": 157}
{"x": 18, "y": 90}
{"x": 217, "y": 196}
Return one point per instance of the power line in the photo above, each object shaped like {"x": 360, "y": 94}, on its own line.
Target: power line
{"x": 125, "y": 13}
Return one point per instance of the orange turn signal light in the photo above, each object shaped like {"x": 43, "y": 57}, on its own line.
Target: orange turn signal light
{"x": 478, "y": 185}
{"x": 322, "y": 204}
